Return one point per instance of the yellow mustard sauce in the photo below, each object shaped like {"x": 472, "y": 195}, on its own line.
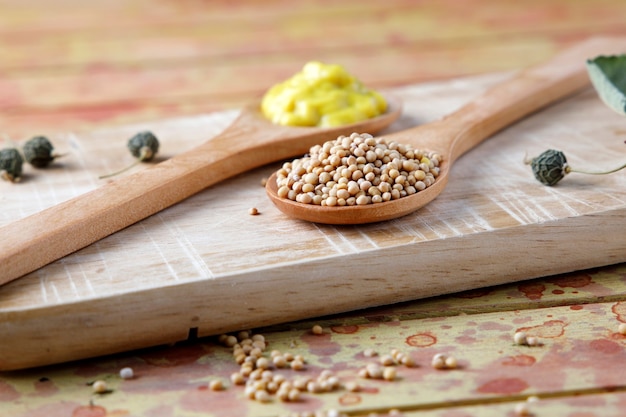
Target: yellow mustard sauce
{"x": 321, "y": 95}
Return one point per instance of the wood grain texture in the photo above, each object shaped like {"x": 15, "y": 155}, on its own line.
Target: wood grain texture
{"x": 207, "y": 264}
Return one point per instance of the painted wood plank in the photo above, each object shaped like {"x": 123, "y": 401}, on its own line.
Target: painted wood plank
{"x": 572, "y": 366}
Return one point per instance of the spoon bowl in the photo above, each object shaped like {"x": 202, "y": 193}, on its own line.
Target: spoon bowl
{"x": 251, "y": 141}
{"x": 526, "y": 92}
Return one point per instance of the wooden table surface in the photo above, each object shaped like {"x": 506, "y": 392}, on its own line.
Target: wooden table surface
{"x": 67, "y": 65}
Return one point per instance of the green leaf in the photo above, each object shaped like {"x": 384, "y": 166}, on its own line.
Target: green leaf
{"x": 608, "y": 76}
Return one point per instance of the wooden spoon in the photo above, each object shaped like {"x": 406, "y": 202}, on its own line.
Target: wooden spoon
{"x": 250, "y": 142}
{"x": 527, "y": 92}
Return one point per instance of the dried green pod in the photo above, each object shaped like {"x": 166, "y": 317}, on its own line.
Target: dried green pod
{"x": 143, "y": 146}
{"x": 11, "y": 162}
{"x": 39, "y": 152}
{"x": 551, "y": 166}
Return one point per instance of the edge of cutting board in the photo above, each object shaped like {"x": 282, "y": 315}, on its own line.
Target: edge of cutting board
{"x": 124, "y": 322}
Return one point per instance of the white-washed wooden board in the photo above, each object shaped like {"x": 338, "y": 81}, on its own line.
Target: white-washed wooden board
{"x": 207, "y": 265}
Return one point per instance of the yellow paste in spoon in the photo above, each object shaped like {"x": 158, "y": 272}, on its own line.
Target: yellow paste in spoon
{"x": 321, "y": 95}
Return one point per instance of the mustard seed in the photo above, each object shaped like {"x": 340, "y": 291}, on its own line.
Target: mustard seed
{"x": 297, "y": 365}
{"x": 352, "y": 386}
{"x": 216, "y": 385}
{"x": 237, "y": 378}
{"x": 279, "y": 361}
{"x": 407, "y": 361}
{"x": 293, "y": 395}
{"x": 522, "y": 410}
{"x": 230, "y": 341}
{"x": 317, "y": 329}
{"x": 532, "y": 341}
{"x": 520, "y": 338}
{"x": 359, "y": 163}
{"x": 127, "y": 373}
{"x": 262, "y": 396}
{"x": 368, "y": 353}
{"x": 100, "y": 387}
{"x": 262, "y": 363}
{"x": 439, "y": 361}
{"x": 387, "y": 360}
{"x": 451, "y": 362}
{"x": 622, "y": 328}
{"x": 258, "y": 337}
{"x": 253, "y": 211}
{"x": 389, "y": 373}
{"x": 374, "y": 371}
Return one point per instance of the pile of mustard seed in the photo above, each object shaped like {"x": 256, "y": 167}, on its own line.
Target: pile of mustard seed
{"x": 357, "y": 170}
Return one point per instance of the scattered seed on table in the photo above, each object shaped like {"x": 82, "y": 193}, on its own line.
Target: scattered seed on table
{"x": 532, "y": 341}
{"x": 216, "y": 385}
{"x": 522, "y": 410}
{"x": 369, "y": 353}
{"x": 297, "y": 365}
{"x": 451, "y": 362}
{"x": 237, "y": 378}
{"x": 100, "y": 387}
{"x": 127, "y": 373}
{"x": 520, "y": 338}
{"x": 253, "y": 211}
{"x": 317, "y": 329}
{"x": 352, "y": 386}
{"x": 622, "y": 328}
{"x": 389, "y": 373}
{"x": 387, "y": 360}
{"x": 441, "y": 361}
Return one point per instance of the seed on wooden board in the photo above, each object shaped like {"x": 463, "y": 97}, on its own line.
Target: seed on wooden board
{"x": 622, "y": 328}
{"x": 317, "y": 329}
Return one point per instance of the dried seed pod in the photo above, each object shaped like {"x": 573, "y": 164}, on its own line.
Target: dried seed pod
{"x": 143, "y": 146}
{"x": 551, "y": 166}
{"x": 11, "y": 162}
{"x": 39, "y": 152}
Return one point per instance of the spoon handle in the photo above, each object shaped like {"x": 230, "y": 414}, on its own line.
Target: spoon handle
{"x": 249, "y": 142}
{"x": 526, "y": 92}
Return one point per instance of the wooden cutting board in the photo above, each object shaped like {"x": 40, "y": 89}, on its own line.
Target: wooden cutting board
{"x": 207, "y": 266}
